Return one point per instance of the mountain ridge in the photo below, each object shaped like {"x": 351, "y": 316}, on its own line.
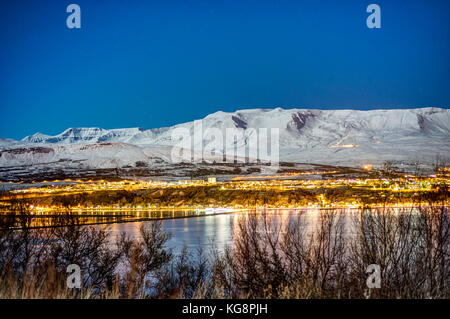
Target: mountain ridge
{"x": 338, "y": 137}
{"x": 302, "y": 115}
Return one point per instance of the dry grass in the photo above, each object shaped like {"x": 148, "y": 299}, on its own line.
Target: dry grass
{"x": 268, "y": 259}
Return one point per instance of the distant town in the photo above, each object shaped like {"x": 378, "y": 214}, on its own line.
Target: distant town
{"x": 289, "y": 190}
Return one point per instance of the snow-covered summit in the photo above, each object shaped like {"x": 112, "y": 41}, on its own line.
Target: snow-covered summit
{"x": 84, "y": 135}
{"x": 306, "y": 122}
{"x": 306, "y": 135}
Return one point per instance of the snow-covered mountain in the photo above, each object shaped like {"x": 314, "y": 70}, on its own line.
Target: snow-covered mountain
{"x": 84, "y": 135}
{"x": 340, "y": 137}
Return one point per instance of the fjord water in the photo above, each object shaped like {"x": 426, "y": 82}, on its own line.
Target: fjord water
{"x": 217, "y": 231}
{"x": 195, "y": 232}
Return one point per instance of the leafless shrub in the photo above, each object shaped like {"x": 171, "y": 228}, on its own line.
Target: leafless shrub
{"x": 269, "y": 257}
{"x": 185, "y": 277}
{"x": 144, "y": 258}
{"x": 412, "y": 248}
{"x": 330, "y": 260}
{"x": 272, "y": 256}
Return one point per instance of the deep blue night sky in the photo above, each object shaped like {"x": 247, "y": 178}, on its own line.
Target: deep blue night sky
{"x": 160, "y": 63}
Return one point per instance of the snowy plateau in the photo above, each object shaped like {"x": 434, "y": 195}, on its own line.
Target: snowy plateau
{"x": 306, "y": 136}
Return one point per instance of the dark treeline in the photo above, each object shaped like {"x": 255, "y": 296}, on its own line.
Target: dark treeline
{"x": 270, "y": 258}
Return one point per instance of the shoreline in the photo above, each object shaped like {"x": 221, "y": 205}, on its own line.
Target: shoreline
{"x": 230, "y": 211}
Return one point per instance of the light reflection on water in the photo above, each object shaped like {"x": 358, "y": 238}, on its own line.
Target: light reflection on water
{"x": 195, "y": 229}
{"x": 205, "y": 231}
{"x": 40, "y": 220}
{"x": 218, "y": 230}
